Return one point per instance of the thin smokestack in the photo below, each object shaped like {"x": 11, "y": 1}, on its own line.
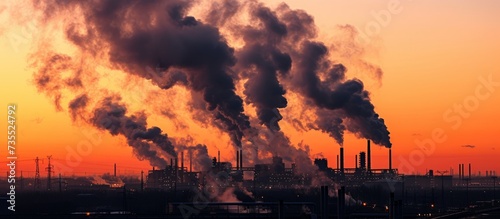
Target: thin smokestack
{"x": 470, "y": 171}
{"x": 356, "y": 161}
{"x": 342, "y": 160}
{"x": 218, "y": 157}
{"x": 190, "y": 161}
{"x": 114, "y": 170}
{"x": 390, "y": 160}
{"x": 241, "y": 159}
{"x": 338, "y": 163}
{"x": 463, "y": 171}
{"x": 368, "y": 154}
{"x": 459, "y": 171}
{"x": 391, "y": 206}
{"x": 237, "y": 160}
{"x": 171, "y": 162}
{"x": 340, "y": 203}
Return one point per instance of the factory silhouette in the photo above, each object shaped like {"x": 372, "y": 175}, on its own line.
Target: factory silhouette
{"x": 265, "y": 190}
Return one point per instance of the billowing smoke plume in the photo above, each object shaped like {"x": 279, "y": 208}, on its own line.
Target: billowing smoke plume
{"x": 279, "y": 54}
{"x": 322, "y": 82}
{"x": 261, "y": 60}
{"x": 110, "y": 115}
{"x": 333, "y": 93}
{"x": 283, "y": 41}
{"x": 136, "y": 34}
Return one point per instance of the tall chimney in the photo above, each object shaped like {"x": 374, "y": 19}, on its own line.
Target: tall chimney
{"x": 237, "y": 160}
{"x": 356, "y": 161}
{"x": 463, "y": 171}
{"x": 390, "y": 160}
{"x": 391, "y": 206}
{"x": 342, "y": 160}
{"x": 470, "y": 171}
{"x": 241, "y": 159}
{"x": 459, "y": 171}
{"x": 190, "y": 161}
{"x": 340, "y": 203}
{"x": 369, "y": 158}
{"x": 115, "y": 170}
{"x": 338, "y": 163}
{"x": 218, "y": 157}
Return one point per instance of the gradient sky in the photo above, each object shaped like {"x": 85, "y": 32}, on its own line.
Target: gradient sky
{"x": 433, "y": 55}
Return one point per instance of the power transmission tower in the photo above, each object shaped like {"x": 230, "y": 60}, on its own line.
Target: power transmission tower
{"x": 49, "y": 173}
{"x": 37, "y": 175}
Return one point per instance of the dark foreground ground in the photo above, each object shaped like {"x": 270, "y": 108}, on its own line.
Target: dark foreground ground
{"x": 371, "y": 203}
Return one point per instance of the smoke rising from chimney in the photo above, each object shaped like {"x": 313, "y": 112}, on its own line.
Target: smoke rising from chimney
{"x": 279, "y": 54}
{"x": 110, "y": 115}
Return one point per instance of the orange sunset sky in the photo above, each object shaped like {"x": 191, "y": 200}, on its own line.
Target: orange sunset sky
{"x": 441, "y": 84}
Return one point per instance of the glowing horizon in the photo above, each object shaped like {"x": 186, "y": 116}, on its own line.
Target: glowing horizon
{"x": 439, "y": 86}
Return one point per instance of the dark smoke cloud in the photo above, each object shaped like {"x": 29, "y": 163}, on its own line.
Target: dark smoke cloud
{"x": 279, "y": 55}
{"x": 261, "y": 59}
{"x": 110, "y": 115}
{"x": 77, "y": 106}
{"x": 47, "y": 78}
{"x": 334, "y": 93}
{"x": 221, "y": 12}
{"x": 158, "y": 33}
{"x": 331, "y": 123}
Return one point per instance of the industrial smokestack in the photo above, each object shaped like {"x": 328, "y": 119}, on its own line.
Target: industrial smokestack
{"x": 114, "y": 170}
{"x": 190, "y": 161}
{"x": 463, "y": 171}
{"x": 362, "y": 160}
{"x": 390, "y": 160}
{"x": 241, "y": 159}
{"x": 368, "y": 154}
{"x": 459, "y": 171}
{"x": 237, "y": 160}
{"x": 340, "y": 203}
{"x": 391, "y": 206}
{"x": 338, "y": 163}
{"x": 342, "y": 160}
{"x": 356, "y": 161}
{"x": 218, "y": 157}
{"x": 470, "y": 171}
